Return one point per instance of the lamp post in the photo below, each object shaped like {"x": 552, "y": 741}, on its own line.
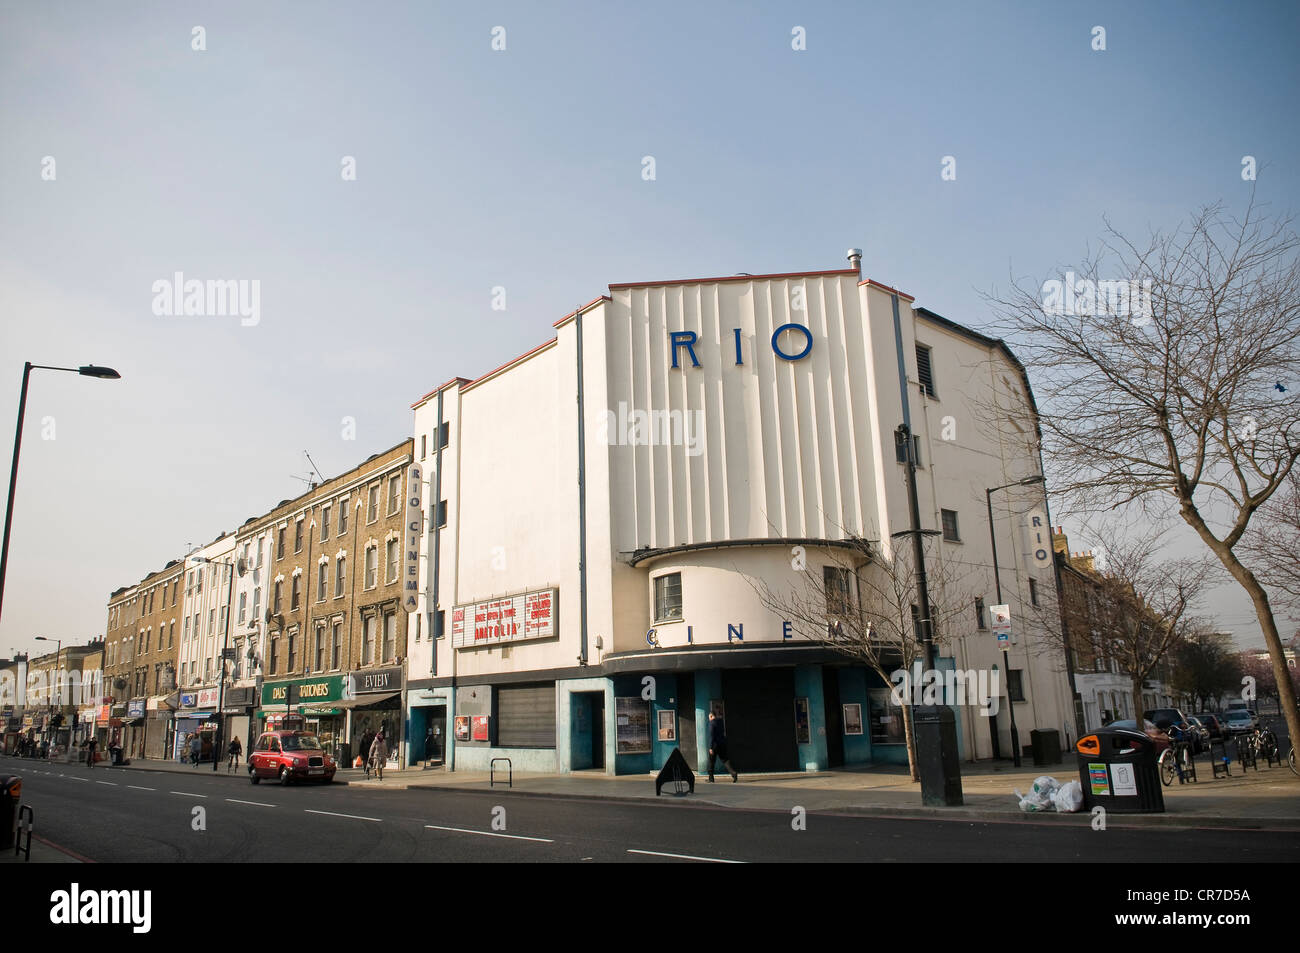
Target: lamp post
{"x": 49, "y": 707}
{"x": 89, "y": 370}
{"x": 221, "y": 662}
{"x": 997, "y": 583}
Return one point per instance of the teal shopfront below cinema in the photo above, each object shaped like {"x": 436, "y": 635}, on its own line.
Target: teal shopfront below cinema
{"x": 778, "y": 718}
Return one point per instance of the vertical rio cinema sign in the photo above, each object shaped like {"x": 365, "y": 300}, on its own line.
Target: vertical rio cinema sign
{"x": 411, "y": 527}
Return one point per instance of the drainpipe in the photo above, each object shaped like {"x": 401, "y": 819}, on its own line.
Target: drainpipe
{"x": 582, "y": 504}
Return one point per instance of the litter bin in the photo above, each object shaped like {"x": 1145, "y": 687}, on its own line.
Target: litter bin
{"x": 343, "y": 755}
{"x": 1046, "y": 746}
{"x": 1119, "y": 771}
{"x": 11, "y": 789}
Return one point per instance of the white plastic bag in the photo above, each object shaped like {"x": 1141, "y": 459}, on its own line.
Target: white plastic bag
{"x": 1039, "y": 797}
{"x": 1068, "y": 798}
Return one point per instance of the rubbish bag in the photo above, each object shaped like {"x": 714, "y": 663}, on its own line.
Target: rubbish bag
{"x": 1039, "y": 797}
{"x": 1069, "y": 798}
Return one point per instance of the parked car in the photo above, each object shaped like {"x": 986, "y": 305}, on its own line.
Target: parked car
{"x": 290, "y": 756}
{"x": 1238, "y": 721}
{"x": 1159, "y": 740}
{"x": 1215, "y": 726}
{"x": 1163, "y": 718}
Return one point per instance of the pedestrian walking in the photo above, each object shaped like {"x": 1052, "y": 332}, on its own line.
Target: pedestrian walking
{"x": 378, "y": 754}
{"x": 367, "y": 741}
{"x": 196, "y": 746}
{"x": 235, "y": 750}
{"x": 90, "y": 752}
{"x": 718, "y": 747}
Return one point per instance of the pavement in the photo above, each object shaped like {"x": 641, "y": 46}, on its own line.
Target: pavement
{"x": 1267, "y": 798}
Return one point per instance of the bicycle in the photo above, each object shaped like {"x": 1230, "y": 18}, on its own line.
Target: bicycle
{"x": 1170, "y": 769}
{"x": 1265, "y": 744}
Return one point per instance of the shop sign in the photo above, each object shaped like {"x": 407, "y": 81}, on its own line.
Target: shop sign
{"x": 189, "y": 700}
{"x": 411, "y": 527}
{"x": 135, "y": 708}
{"x": 318, "y": 690}
{"x": 377, "y": 680}
{"x": 208, "y": 698}
{"x": 530, "y": 615}
{"x": 104, "y": 712}
{"x": 240, "y": 697}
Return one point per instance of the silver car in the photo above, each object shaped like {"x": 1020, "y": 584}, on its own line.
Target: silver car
{"x": 1238, "y": 721}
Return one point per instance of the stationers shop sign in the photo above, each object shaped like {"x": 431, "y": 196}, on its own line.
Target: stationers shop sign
{"x": 307, "y": 691}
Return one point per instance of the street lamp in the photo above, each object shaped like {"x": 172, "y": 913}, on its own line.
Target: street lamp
{"x": 89, "y": 370}
{"x": 49, "y": 714}
{"x": 997, "y": 582}
{"x": 225, "y": 647}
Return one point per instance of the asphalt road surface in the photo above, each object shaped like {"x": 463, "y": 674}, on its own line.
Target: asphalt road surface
{"x": 141, "y": 816}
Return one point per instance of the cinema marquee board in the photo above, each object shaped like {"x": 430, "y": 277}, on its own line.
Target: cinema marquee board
{"x": 527, "y": 616}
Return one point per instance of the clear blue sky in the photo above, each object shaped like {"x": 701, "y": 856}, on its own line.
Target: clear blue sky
{"x": 522, "y": 168}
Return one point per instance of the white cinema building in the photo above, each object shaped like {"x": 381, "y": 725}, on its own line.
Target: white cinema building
{"x": 724, "y": 421}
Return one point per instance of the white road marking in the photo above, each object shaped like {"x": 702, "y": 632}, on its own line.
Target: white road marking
{"x": 75, "y": 778}
{"x": 138, "y": 788}
{"x": 355, "y": 817}
{"x": 235, "y": 800}
{"x": 111, "y": 783}
{"x": 710, "y": 860}
{"x": 187, "y": 794}
{"x": 461, "y": 830}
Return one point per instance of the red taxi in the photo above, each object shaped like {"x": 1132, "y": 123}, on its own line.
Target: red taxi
{"x": 289, "y": 756}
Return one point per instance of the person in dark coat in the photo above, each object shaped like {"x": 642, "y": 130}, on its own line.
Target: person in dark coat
{"x": 233, "y": 752}
{"x": 367, "y": 740}
{"x": 91, "y": 744}
{"x": 718, "y": 747}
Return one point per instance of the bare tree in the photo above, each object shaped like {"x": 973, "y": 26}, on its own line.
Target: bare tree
{"x": 1169, "y": 379}
{"x": 863, "y": 605}
{"x": 1272, "y": 545}
{"x": 1137, "y": 611}
{"x": 1205, "y": 669}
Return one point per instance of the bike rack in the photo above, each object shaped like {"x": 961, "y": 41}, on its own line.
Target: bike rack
{"x": 26, "y": 820}
{"x": 1185, "y": 762}
{"x": 510, "y": 775}
{"x": 1245, "y": 754}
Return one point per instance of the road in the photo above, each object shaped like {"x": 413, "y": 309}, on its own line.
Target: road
{"x": 143, "y": 816}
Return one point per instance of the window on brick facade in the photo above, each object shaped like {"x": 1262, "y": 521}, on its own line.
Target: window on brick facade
{"x": 340, "y": 574}
{"x": 372, "y": 503}
{"x": 297, "y": 535}
{"x": 343, "y": 515}
{"x": 391, "y": 560}
{"x": 372, "y": 564}
{"x": 325, "y": 523}
{"x": 296, "y": 593}
{"x": 322, "y": 581}
{"x": 394, "y": 493}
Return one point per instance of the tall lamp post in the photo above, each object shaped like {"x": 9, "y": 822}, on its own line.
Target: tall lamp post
{"x": 89, "y": 370}
{"x": 50, "y": 712}
{"x": 221, "y": 663}
{"x": 997, "y": 583}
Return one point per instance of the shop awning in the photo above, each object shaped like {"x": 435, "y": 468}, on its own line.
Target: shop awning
{"x": 365, "y": 701}
{"x": 200, "y": 715}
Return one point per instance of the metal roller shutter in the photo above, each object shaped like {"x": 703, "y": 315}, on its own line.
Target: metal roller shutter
{"x": 526, "y": 716}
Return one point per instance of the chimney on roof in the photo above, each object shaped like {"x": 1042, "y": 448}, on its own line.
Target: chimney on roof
{"x": 854, "y": 255}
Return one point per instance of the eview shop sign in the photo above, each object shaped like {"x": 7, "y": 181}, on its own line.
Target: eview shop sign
{"x": 307, "y": 691}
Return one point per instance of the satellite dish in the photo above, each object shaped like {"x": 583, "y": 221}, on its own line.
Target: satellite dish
{"x": 241, "y": 567}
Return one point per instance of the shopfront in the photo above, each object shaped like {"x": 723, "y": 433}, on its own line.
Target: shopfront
{"x": 376, "y": 704}
{"x": 134, "y": 723}
{"x": 237, "y": 714}
{"x": 158, "y": 727}
{"x": 316, "y": 700}
{"x": 189, "y": 721}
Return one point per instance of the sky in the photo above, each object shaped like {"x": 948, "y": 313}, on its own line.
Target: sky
{"x": 524, "y": 169}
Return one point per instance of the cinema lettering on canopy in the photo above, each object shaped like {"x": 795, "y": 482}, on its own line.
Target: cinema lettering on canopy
{"x": 640, "y": 556}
